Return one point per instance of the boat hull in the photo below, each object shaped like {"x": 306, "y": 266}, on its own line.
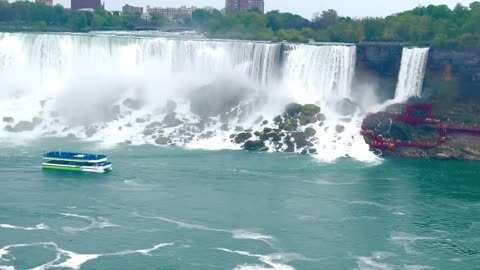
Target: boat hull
{"x": 93, "y": 169}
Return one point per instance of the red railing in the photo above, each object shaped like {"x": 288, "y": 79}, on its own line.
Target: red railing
{"x": 442, "y": 128}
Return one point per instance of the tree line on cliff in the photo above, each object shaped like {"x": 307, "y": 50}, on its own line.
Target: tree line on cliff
{"x": 440, "y": 26}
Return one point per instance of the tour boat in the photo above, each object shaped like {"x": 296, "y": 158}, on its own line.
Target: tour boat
{"x": 76, "y": 162}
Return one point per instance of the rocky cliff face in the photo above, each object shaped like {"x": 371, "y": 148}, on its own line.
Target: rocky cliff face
{"x": 452, "y": 85}
{"x": 451, "y": 75}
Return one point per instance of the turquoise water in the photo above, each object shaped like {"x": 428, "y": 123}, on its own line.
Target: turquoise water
{"x": 170, "y": 208}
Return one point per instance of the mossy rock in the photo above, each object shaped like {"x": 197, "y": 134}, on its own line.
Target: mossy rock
{"x": 255, "y": 146}
{"x": 277, "y": 119}
{"x": 242, "y": 137}
{"x": 339, "y": 128}
{"x": 310, "y": 109}
{"x": 321, "y": 117}
{"x": 293, "y": 109}
{"x": 307, "y": 119}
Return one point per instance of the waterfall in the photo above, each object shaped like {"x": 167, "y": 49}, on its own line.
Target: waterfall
{"x": 320, "y": 72}
{"x": 113, "y": 87}
{"x": 412, "y": 73}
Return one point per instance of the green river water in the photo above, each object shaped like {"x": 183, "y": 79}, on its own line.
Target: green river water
{"x": 171, "y": 208}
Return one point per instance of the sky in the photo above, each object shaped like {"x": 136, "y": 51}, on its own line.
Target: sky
{"x": 305, "y": 8}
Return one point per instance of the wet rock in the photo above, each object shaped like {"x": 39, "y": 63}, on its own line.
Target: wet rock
{"x": 224, "y": 127}
{"x": 346, "y": 107}
{"x": 128, "y": 125}
{"x": 301, "y": 139}
{"x": 37, "y": 121}
{"x": 238, "y": 128}
{"x": 21, "y": 126}
{"x": 8, "y": 119}
{"x": 339, "y": 128}
{"x": 293, "y": 109}
{"x": 171, "y": 106}
{"x": 255, "y": 146}
{"x": 116, "y": 110}
{"x": 265, "y": 122}
{"x": 170, "y": 120}
{"x": 133, "y": 104}
{"x": 257, "y": 133}
{"x": 91, "y": 130}
{"x": 242, "y": 137}
{"x": 310, "y": 109}
{"x": 307, "y": 119}
{"x": 151, "y": 128}
{"x": 277, "y": 119}
{"x": 321, "y": 117}
{"x": 346, "y": 119}
{"x": 310, "y": 132}
{"x": 216, "y": 99}
{"x": 140, "y": 120}
{"x": 275, "y": 137}
{"x": 249, "y": 130}
{"x": 71, "y": 136}
{"x": 200, "y": 125}
{"x": 232, "y": 136}
{"x": 289, "y": 124}
{"x": 128, "y": 142}
{"x": 162, "y": 140}
{"x": 258, "y": 120}
{"x": 312, "y": 151}
{"x": 267, "y": 130}
{"x": 290, "y": 145}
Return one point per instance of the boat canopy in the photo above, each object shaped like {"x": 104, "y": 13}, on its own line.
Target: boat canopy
{"x": 73, "y": 156}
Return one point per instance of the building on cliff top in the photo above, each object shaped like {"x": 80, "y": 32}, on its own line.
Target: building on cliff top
{"x": 244, "y": 5}
{"x": 87, "y": 4}
{"x": 46, "y": 2}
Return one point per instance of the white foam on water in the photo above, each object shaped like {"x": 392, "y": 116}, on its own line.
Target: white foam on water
{"x": 407, "y": 240}
{"x": 277, "y": 261}
{"x": 237, "y": 234}
{"x": 5, "y": 267}
{"x": 95, "y": 223}
{"x": 72, "y": 260}
{"x": 40, "y": 226}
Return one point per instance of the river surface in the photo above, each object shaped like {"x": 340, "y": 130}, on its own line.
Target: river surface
{"x": 171, "y": 208}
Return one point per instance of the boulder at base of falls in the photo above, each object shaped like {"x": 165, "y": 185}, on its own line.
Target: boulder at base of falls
{"x": 91, "y": 130}
{"x": 242, "y": 137}
{"x": 310, "y": 109}
{"x": 310, "y": 132}
{"x": 255, "y": 146}
{"x": 170, "y": 120}
{"x": 346, "y": 107}
{"x": 171, "y": 106}
{"x": 8, "y": 119}
{"x": 293, "y": 109}
{"x": 133, "y": 104}
{"x": 307, "y": 119}
{"x": 339, "y": 128}
{"x": 301, "y": 139}
{"x": 321, "y": 117}
{"x": 21, "y": 126}
{"x": 140, "y": 120}
{"x": 162, "y": 140}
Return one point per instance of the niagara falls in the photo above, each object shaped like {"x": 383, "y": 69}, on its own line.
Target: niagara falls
{"x": 238, "y": 135}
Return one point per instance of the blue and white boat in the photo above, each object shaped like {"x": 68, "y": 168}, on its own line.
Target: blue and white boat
{"x": 70, "y": 161}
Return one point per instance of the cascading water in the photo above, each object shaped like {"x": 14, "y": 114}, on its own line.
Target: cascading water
{"x": 116, "y": 88}
{"x": 412, "y": 72}
{"x": 320, "y": 73}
